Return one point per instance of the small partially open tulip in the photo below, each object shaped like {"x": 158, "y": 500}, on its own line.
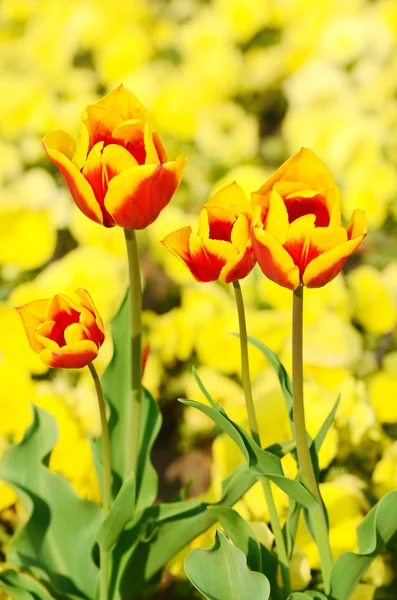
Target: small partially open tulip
{"x": 118, "y": 174}
{"x": 222, "y": 247}
{"x": 66, "y": 333}
{"x": 298, "y": 235}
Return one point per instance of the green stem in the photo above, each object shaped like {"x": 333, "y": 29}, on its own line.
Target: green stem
{"x": 253, "y": 425}
{"x": 134, "y": 422}
{"x": 317, "y": 516}
{"x": 107, "y": 481}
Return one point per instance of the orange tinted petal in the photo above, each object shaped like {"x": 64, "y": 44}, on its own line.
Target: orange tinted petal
{"x": 79, "y": 187}
{"x": 203, "y": 230}
{"x": 326, "y": 267}
{"x": 61, "y": 304}
{"x": 32, "y": 315}
{"x": 94, "y": 172}
{"x": 136, "y": 197}
{"x": 73, "y": 356}
{"x": 100, "y": 122}
{"x": 274, "y": 260}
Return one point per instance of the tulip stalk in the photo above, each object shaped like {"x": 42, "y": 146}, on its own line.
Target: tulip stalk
{"x": 136, "y": 350}
{"x": 253, "y": 425}
{"x": 317, "y": 516}
{"x": 107, "y": 482}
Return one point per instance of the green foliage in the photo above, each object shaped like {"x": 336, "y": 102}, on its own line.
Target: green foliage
{"x": 261, "y": 462}
{"x": 121, "y": 512}
{"x": 373, "y": 533}
{"x": 22, "y": 587}
{"x": 221, "y": 573}
{"x": 116, "y": 385}
{"x": 56, "y": 543}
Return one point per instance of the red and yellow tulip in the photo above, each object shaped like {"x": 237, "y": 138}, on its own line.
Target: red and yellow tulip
{"x": 66, "y": 333}
{"x": 298, "y": 235}
{"x": 118, "y": 174}
{"x": 222, "y": 247}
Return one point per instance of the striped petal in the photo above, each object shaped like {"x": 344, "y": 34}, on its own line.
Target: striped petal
{"x": 210, "y": 256}
{"x": 73, "y": 356}
{"x": 238, "y": 267}
{"x": 274, "y": 260}
{"x": 75, "y": 333}
{"x": 125, "y": 104}
{"x": 326, "y": 267}
{"x": 87, "y": 302}
{"x": 79, "y": 187}
{"x": 136, "y": 197}
{"x": 45, "y": 333}
{"x": 32, "y": 315}
{"x": 177, "y": 243}
{"x": 100, "y": 122}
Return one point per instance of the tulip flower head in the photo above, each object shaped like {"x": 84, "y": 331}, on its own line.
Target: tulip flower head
{"x": 222, "y": 247}
{"x": 297, "y": 232}
{"x": 66, "y": 333}
{"x": 118, "y": 174}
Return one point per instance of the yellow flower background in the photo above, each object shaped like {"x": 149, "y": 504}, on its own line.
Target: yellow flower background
{"x": 237, "y": 86}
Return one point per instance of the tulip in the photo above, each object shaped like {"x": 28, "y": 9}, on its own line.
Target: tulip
{"x": 297, "y": 232}
{"x": 66, "y": 333}
{"x": 118, "y": 174}
{"x": 222, "y": 247}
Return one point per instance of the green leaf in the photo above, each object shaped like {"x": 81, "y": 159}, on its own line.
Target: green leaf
{"x": 57, "y": 540}
{"x": 22, "y": 587}
{"x": 241, "y": 534}
{"x": 261, "y": 462}
{"x": 117, "y": 391}
{"x": 121, "y": 512}
{"x": 204, "y": 389}
{"x": 308, "y": 595}
{"x": 221, "y": 573}
{"x": 373, "y": 533}
{"x": 138, "y": 562}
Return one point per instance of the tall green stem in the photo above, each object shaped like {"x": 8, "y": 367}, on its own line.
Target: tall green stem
{"x": 317, "y": 516}
{"x": 253, "y": 424}
{"x": 107, "y": 482}
{"x": 134, "y": 421}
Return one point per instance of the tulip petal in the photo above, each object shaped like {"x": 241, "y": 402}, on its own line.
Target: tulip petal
{"x": 238, "y": 267}
{"x": 32, "y": 315}
{"x": 274, "y": 260}
{"x": 88, "y": 303}
{"x": 95, "y": 174}
{"x": 60, "y": 305}
{"x": 117, "y": 159}
{"x": 302, "y": 166}
{"x": 79, "y": 187}
{"x": 125, "y": 104}
{"x": 240, "y": 234}
{"x": 100, "y": 122}
{"x": 210, "y": 256}
{"x": 298, "y": 241}
{"x": 203, "y": 230}
{"x": 326, "y": 267}
{"x": 73, "y": 356}
{"x": 45, "y": 333}
{"x": 232, "y": 198}
{"x": 276, "y": 222}
{"x": 358, "y": 225}
{"x": 75, "y": 333}
{"x": 136, "y": 197}
{"x": 177, "y": 243}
